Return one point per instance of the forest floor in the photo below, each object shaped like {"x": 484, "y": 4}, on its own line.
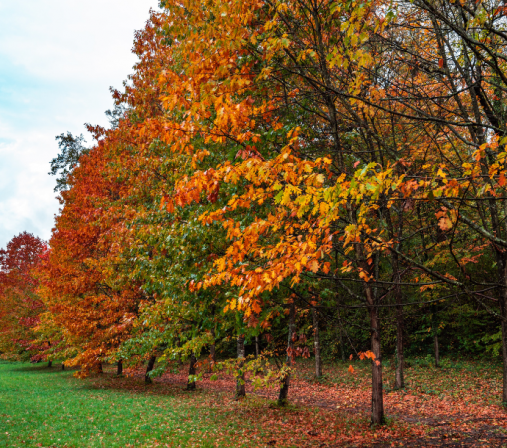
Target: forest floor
{"x": 453, "y": 406}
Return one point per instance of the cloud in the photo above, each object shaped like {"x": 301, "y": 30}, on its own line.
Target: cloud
{"x": 58, "y": 59}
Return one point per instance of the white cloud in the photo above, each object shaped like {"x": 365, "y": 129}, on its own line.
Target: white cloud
{"x": 57, "y": 61}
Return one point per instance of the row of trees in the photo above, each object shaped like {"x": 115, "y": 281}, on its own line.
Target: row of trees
{"x": 276, "y": 168}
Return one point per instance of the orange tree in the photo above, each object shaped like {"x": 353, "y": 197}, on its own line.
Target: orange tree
{"x": 163, "y": 249}
{"x": 95, "y": 315}
{"x": 288, "y": 132}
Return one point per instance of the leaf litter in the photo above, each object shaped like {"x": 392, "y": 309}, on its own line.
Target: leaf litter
{"x": 438, "y": 407}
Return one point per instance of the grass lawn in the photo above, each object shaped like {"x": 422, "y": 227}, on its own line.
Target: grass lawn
{"x": 457, "y": 405}
{"x": 50, "y": 408}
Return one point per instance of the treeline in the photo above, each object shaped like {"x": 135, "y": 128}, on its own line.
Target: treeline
{"x": 298, "y": 176}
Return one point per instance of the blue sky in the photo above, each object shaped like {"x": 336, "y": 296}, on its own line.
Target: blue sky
{"x": 58, "y": 59}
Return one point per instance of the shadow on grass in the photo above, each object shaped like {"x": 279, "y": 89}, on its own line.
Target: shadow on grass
{"x": 43, "y": 369}
{"x": 136, "y": 385}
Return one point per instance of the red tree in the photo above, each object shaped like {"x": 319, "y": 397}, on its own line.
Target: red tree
{"x": 20, "y": 307}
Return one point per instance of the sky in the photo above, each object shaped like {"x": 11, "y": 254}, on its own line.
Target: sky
{"x": 58, "y": 59}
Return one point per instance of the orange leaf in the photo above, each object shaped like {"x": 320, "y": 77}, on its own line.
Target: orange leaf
{"x": 255, "y": 307}
{"x": 314, "y": 265}
{"x": 445, "y": 223}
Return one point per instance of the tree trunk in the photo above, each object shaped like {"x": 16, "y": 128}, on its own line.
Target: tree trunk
{"x": 395, "y": 234}
{"x": 435, "y": 347}
{"x": 212, "y": 352}
{"x": 99, "y": 368}
{"x": 503, "y": 311}
{"x": 257, "y": 346}
{"x": 191, "y": 371}
{"x": 149, "y": 368}
{"x": 119, "y": 368}
{"x": 434, "y": 325}
{"x": 316, "y": 343}
{"x": 284, "y": 390}
{"x": 399, "y": 382}
{"x": 377, "y": 399}
{"x": 502, "y": 298}
{"x": 178, "y": 344}
{"x": 50, "y": 364}
{"x": 63, "y": 366}
{"x": 240, "y": 384}
{"x": 342, "y": 349}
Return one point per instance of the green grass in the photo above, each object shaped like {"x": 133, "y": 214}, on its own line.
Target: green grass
{"x": 50, "y": 408}
{"x": 42, "y": 407}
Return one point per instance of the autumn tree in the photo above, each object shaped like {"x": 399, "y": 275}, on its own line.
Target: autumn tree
{"x": 20, "y": 306}
{"x": 95, "y": 314}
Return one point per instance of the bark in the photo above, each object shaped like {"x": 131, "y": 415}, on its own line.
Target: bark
{"x": 503, "y": 311}
{"x": 377, "y": 398}
{"x": 435, "y": 336}
{"x": 435, "y": 347}
{"x": 50, "y": 364}
{"x": 342, "y": 350}
{"x": 191, "y": 371}
{"x": 258, "y": 369}
{"x": 119, "y": 368}
{"x": 399, "y": 379}
{"x": 501, "y": 260}
{"x": 502, "y": 299}
{"x": 284, "y": 390}
{"x": 212, "y": 352}
{"x": 178, "y": 344}
{"x": 316, "y": 343}
{"x": 149, "y": 368}
{"x": 399, "y": 382}
{"x": 240, "y": 384}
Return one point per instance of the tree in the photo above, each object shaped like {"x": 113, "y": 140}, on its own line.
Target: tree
{"x": 20, "y": 306}
{"x": 95, "y": 314}
{"x": 71, "y": 151}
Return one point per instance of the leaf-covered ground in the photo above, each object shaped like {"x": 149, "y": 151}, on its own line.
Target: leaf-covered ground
{"x": 457, "y": 405}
